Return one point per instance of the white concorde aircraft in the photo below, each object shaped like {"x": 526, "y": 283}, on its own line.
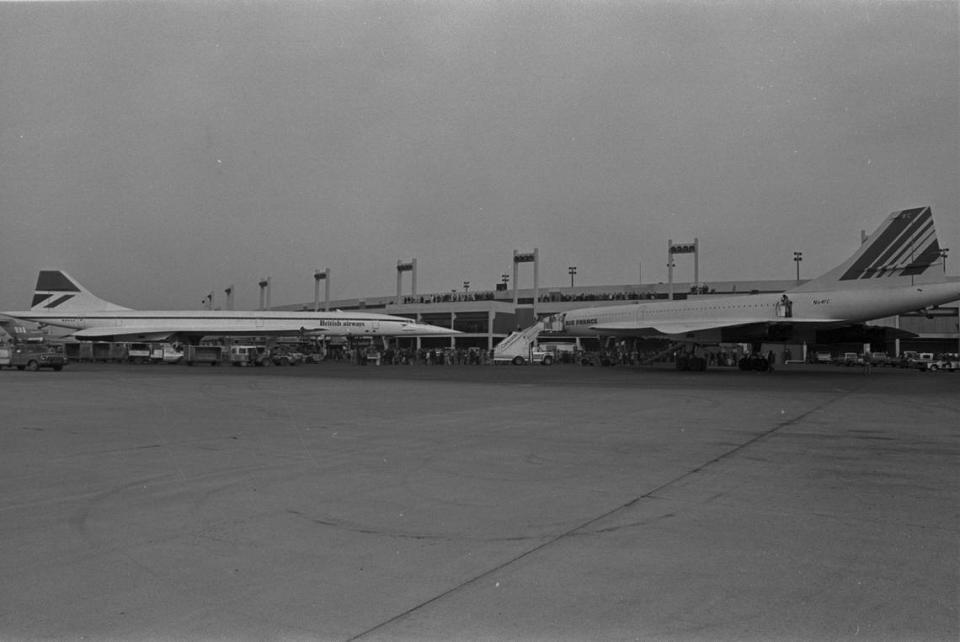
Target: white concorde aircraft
{"x": 886, "y": 276}
{"x": 60, "y": 300}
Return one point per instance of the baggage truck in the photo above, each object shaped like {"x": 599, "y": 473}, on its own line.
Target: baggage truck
{"x": 203, "y": 354}
{"x": 138, "y": 352}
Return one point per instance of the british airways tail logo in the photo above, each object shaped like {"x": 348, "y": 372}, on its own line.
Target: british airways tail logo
{"x": 906, "y": 246}
{"x": 40, "y": 297}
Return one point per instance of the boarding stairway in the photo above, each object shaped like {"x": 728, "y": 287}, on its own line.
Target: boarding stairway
{"x": 520, "y": 339}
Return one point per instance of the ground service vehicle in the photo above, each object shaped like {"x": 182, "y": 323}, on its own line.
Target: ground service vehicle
{"x": 249, "y": 356}
{"x": 850, "y": 359}
{"x": 522, "y": 354}
{"x": 203, "y": 354}
{"x": 287, "y": 358}
{"x": 947, "y": 361}
{"x": 521, "y": 347}
{"x": 138, "y": 352}
{"x": 165, "y": 353}
{"x": 33, "y": 356}
{"x": 922, "y": 361}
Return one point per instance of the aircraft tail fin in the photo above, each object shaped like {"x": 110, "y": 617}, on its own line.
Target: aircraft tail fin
{"x": 904, "y": 246}
{"x": 57, "y": 290}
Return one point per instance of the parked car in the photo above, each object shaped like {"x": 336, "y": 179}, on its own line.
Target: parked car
{"x": 850, "y": 359}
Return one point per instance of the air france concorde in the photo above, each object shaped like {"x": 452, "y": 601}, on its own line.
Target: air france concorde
{"x": 888, "y": 275}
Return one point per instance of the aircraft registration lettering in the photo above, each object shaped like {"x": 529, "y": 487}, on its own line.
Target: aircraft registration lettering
{"x": 821, "y": 301}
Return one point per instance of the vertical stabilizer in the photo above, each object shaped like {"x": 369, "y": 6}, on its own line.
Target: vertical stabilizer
{"x": 904, "y": 246}
{"x": 58, "y": 291}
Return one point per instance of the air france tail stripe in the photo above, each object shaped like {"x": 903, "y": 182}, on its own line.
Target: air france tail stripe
{"x": 878, "y": 246}
{"x": 902, "y": 245}
{"x": 905, "y": 255}
{"x": 925, "y": 260}
{"x": 915, "y": 240}
{"x": 907, "y": 241}
{"x": 902, "y": 227}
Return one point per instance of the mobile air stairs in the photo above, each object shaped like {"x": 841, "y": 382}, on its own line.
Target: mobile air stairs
{"x": 521, "y": 347}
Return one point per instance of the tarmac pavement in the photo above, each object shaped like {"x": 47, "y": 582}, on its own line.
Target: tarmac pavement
{"x": 339, "y": 502}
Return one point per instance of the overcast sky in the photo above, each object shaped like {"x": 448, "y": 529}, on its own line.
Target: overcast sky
{"x": 160, "y": 150}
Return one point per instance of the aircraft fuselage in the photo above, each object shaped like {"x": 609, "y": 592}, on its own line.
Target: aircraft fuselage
{"x": 825, "y": 308}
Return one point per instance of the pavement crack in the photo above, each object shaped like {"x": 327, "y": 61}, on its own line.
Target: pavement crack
{"x": 593, "y": 520}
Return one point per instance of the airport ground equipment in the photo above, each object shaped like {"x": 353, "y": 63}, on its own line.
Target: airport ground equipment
{"x": 87, "y": 351}
{"x": 165, "y": 353}
{"x": 850, "y": 359}
{"x": 33, "y": 356}
{"x": 947, "y": 361}
{"x": 139, "y": 352}
{"x": 521, "y": 347}
{"x": 194, "y": 355}
{"x": 249, "y": 355}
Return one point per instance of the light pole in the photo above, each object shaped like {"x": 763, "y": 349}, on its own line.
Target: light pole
{"x": 797, "y": 257}
{"x": 572, "y": 271}
{"x": 943, "y": 255}
{"x": 466, "y": 286}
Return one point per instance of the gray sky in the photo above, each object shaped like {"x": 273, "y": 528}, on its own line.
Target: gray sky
{"x": 157, "y": 151}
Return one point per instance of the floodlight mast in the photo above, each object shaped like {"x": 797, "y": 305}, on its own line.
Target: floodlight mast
{"x": 682, "y": 248}
{"x": 321, "y": 275}
{"x": 527, "y": 257}
{"x": 411, "y": 267}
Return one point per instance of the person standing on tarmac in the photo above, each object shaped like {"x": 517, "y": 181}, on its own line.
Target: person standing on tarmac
{"x": 771, "y": 361}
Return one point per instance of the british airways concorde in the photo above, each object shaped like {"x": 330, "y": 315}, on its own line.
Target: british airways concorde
{"x": 60, "y": 300}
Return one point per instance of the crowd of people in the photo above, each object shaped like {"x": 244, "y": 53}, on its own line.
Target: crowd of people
{"x": 486, "y": 295}
{"x": 410, "y": 356}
